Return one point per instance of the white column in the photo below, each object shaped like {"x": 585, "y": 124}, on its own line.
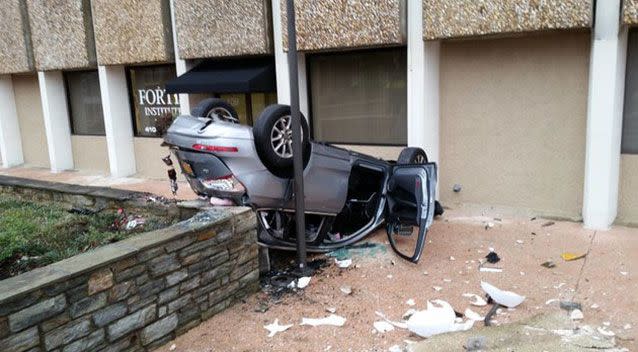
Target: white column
{"x": 604, "y": 116}
{"x": 56, "y": 120}
{"x": 281, "y": 66}
{"x": 118, "y": 122}
{"x": 181, "y": 66}
{"x": 10, "y": 140}
{"x": 423, "y": 85}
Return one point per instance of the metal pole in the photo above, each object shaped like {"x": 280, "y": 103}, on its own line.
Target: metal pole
{"x": 297, "y": 153}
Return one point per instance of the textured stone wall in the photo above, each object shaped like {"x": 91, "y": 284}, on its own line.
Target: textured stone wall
{"x": 630, "y": 12}
{"x": 132, "y": 31}
{"x": 464, "y": 18}
{"x": 217, "y": 28}
{"x": 135, "y": 294}
{"x": 62, "y": 34}
{"x": 15, "y": 41}
{"x": 329, "y": 24}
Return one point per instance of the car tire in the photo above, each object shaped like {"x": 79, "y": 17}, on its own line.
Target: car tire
{"x": 413, "y": 155}
{"x": 273, "y": 125}
{"x": 217, "y": 109}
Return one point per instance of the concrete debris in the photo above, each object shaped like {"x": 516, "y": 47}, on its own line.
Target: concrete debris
{"x": 437, "y": 288}
{"x": 438, "y": 318}
{"x": 343, "y": 263}
{"x": 594, "y": 306}
{"x": 452, "y": 258}
{"x": 173, "y": 347}
{"x": 519, "y": 241}
{"x": 476, "y": 343}
{"x": 505, "y": 298}
{"x": 576, "y": 314}
{"x": 472, "y": 315}
{"x": 346, "y": 290}
{"x": 624, "y": 273}
{"x": 332, "y": 319}
{"x": 475, "y": 299}
{"x": 331, "y": 310}
{"x": 410, "y": 302}
{"x": 274, "y": 328}
{"x": 627, "y": 326}
{"x": 382, "y": 326}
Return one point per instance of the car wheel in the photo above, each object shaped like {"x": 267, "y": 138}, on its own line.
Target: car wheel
{"x": 273, "y": 140}
{"x": 216, "y": 109}
{"x": 413, "y": 155}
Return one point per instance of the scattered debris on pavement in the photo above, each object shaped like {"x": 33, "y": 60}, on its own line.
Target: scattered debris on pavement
{"x": 343, "y": 264}
{"x": 476, "y": 300}
{"x": 332, "y": 319}
{"x": 274, "y": 328}
{"x": 346, "y": 290}
{"x": 570, "y": 305}
{"x": 569, "y": 256}
{"x": 438, "y": 318}
{"x": 547, "y": 224}
{"x": 508, "y": 299}
{"x": 382, "y": 326}
{"x": 365, "y": 249}
{"x": 492, "y": 257}
{"x": 549, "y": 264}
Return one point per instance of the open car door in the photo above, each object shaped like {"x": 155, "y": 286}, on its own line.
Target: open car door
{"x": 410, "y": 207}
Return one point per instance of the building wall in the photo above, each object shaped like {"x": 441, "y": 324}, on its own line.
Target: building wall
{"x": 29, "y": 107}
{"x": 16, "y": 54}
{"x": 337, "y": 24}
{"x": 513, "y": 122}
{"x": 216, "y": 28}
{"x": 627, "y": 200}
{"x": 464, "y": 18}
{"x": 630, "y": 12}
{"x": 132, "y": 31}
{"x": 90, "y": 153}
{"x": 148, "y": 158}
{"x": 62, "y": 34}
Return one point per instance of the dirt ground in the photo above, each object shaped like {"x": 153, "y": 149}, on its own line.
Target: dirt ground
{"x": 383, "y": 282}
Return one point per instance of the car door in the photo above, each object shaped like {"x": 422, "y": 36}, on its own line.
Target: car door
{"x": 410, "y": 207}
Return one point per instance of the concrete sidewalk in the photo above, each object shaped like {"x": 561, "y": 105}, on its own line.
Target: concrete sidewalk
{"x": 158, "y": 187}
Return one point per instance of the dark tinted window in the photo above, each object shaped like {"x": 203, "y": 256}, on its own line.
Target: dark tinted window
{"x": 85, "y": 102}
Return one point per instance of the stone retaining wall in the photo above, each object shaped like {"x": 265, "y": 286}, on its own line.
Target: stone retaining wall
{"x": 135, "y": 294}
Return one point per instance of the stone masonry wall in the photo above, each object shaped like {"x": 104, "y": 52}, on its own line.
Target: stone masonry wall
{"x": 136, "y": 294}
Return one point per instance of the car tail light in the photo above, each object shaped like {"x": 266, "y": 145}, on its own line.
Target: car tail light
{"x": 215, "y": 148}
{"x": 226, "y": 183}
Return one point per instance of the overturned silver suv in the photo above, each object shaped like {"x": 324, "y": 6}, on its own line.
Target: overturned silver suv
{"x": 347, "y": 194}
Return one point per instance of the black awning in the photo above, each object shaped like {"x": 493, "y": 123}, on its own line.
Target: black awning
{"x": 227, "y": 76}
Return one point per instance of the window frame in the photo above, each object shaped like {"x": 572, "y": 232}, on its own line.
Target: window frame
{"x": 311, "y": 119}
{"x": 67, "y": 91}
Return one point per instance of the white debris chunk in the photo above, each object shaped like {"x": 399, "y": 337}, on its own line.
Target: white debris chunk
{"x": 410, "y": 302}
{"x": 173, "y": 347}
{"x": 624, "y": 273}
{"x": 505, "y": 298}
{"x": 603, "y": 331}
{"x": 395, "y": 348}
{"x": 519, "y": 241}
{"x": 400, "y": 325}
{"x": 550, "y": 301}
{"x": 346, "y": 290}
{"x": 343, "y": 263}
{"x": 472, "y": 315}
{"x": 383, "y": 326}
{"x": 452, "y": 258}
{"x": 627, "y": 326}
{"x": 476, "y": 300}
{"x": 447, "y": 280}
{"x": 331, "y": 309}
{"x": 490, "y": 270}
{"x": 302, "y": 282}
{"x": 437, "y": 288}
{"x": 576, "y": 314}
{"x": 594, "y": 306}
{"x": 275, "y": 328}
{"x": 436, "y": 319}
{"x": 332, "y": 319}
{"x": 389, "y": 276}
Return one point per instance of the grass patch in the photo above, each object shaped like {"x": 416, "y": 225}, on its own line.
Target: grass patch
{"x": 34, "y": 234}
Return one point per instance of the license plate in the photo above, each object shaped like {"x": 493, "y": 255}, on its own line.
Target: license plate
{"x": 186, "y": 168}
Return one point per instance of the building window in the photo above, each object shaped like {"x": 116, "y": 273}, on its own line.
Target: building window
{"x": 85, "y": 102}
{"x": 153, "y": 108}
{"x": 359, "y": 97}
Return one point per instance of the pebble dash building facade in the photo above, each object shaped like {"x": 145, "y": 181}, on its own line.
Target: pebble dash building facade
{"x": 526, "y": 104}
